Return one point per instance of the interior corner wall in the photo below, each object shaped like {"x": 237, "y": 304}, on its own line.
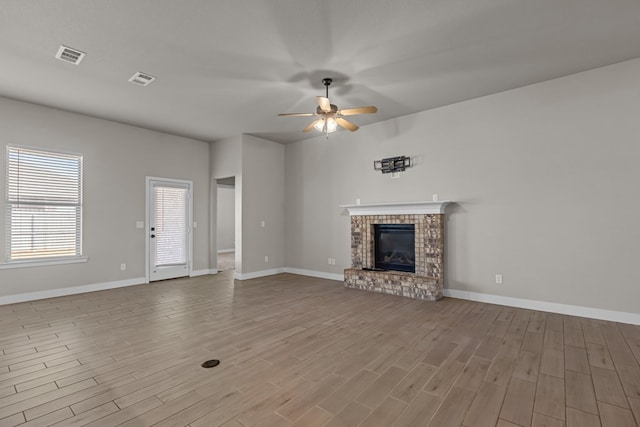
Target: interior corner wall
{"x": 544, "y": 180}
{"x": 226, "y": 161}
{"x": 263, "y": 202}
{"x": 117, "y": 158}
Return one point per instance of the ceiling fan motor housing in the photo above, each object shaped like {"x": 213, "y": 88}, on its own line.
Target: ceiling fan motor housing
{"x": 334, "y": 109}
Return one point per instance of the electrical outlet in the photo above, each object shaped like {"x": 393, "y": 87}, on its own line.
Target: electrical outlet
{"x": 266, "y": 258}
{"x": 139, "y": 224}
{"x": 123, "y": 267}
{"x": 195, "y": 224}
{"x": 329, "y": 261}
{"x": 333, "y": 261}
{"x": 434, "y": 197}
{"x": 499, "y": 279}
{"x": 262, "y": 223}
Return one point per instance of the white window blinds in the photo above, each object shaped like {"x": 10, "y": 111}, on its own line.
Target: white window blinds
{"x": 44, "y": 204}
{"x": 171, "y": 225}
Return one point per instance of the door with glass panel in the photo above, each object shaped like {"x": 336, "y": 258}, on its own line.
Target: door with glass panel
{"x": 169, "y": 228}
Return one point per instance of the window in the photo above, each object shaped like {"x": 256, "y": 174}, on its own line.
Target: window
{"x": 44, "y": 204}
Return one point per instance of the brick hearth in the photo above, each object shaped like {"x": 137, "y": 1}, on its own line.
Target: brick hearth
{"x": 427, "y": 282}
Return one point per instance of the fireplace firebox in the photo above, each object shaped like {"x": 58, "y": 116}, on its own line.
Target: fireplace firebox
{"x": 395, "y": 247}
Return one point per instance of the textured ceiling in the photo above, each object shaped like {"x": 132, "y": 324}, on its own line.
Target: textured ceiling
{"x": 227, "y": 67}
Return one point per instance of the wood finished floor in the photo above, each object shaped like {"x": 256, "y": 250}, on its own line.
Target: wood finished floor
{"x": 301, "y": 351}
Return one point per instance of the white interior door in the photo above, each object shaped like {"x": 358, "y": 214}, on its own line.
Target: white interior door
{"x": 169, "y": 227}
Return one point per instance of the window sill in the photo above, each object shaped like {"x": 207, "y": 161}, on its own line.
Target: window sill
{"x": 43, "y": 262}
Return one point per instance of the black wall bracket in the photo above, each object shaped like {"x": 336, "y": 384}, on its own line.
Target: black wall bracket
{"x": 392, "y": 164}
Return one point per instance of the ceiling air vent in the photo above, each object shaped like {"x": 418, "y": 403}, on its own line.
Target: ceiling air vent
{"x": 142, "y": 79}
{"x": 68, "y": 54}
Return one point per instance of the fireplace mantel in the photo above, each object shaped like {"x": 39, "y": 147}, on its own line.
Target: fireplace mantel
{"x": 427, "y": 282}
{"x": 398, "y": 208}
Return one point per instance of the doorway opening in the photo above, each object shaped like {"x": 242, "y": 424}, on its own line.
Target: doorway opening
{"x": 226, "y": 223}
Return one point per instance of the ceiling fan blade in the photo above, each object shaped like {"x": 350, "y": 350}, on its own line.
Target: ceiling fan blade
{"x": 297, "y": 114}
{"x": 358, "y": 110}
{"x": 347, "y": 124}
{"x": 324, "y": 103}
{"x": 308, "y": 128}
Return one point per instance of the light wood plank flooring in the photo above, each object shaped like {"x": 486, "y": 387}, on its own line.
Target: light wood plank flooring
{"x": 226, "y": 261}
{"x": 299, "y": 351}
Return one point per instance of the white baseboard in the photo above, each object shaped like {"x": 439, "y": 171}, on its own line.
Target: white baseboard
{"x": 53, "y": 293}
{"x": 320, "y": 274}
{"x": 311, "y": 273}
{"x": 225, "y": 251}
{"x": 204, "y": 272}
{"x": 572, "y": 310}
{"x": 256, "y": 274}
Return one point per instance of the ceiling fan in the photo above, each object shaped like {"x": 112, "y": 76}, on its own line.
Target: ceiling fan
{"x": 330, "y": 116}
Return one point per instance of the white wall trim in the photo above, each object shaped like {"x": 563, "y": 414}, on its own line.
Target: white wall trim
{"x": 398, "y": 208}
{"x": 301, "y": 272}
{"x": 256, "y": 274}
{"x": 320, "y": 274}
{"x": 572, "y": 310}
{"x": 204, "y": 272}
{"x": 53, "y": 293}
{"x": 43, "y": 262}
{"x": 225, "y": 251}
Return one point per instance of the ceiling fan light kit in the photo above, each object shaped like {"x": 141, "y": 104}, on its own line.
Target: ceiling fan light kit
{"x": 332, "y": 117}
{"x": 327, "y": 125}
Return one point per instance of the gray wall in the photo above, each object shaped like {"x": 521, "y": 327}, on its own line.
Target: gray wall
{"x": 225, "y": 226}
{"x": 262, "y": 200}
{"x": 258, "y": 167}
{"x": 545, "y": 180}
{"x": 117, "y": 158}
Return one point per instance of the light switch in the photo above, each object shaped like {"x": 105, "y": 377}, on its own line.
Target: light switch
{"x": 139, "y": 224}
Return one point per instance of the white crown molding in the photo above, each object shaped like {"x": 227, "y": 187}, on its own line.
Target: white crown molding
{"x": 398, "y": 208}
{"x": 53, "y": 293}
{"x": 571, "y": 310}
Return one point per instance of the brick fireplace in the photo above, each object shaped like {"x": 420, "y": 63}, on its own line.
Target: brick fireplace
{"x": 427, "y": 282}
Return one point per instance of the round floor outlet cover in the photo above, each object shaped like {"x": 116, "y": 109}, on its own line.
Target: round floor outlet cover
{"x": 211, "y": 363}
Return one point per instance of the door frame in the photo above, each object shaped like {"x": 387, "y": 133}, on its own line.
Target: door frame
{"x": 149, "y": 180}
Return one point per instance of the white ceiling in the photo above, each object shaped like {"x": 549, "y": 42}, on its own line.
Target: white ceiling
{"x": 227, "y": 67}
